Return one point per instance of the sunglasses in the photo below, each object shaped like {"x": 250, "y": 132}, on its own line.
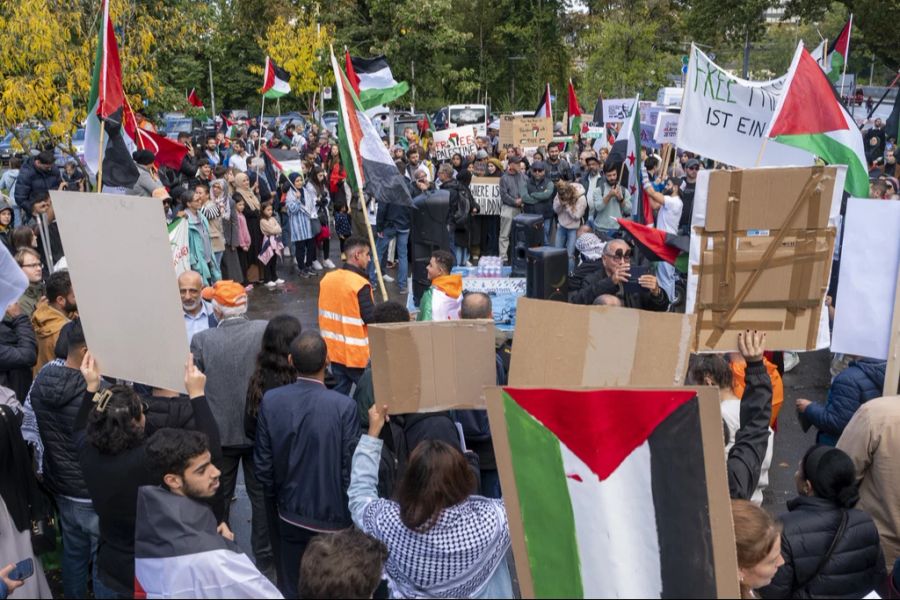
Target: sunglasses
{"x": 693, "y": 168}
{"x": 620, "y": 254}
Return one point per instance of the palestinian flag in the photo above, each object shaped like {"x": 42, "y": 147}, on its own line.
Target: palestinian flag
{"x": 545, "y": 108}
{"x": 892, "y": 125}
{"x": 107, "y": 95}
{"x": 810, "y": 116}
{"x": 574, "y": 111}
{"x": 167, "y": 152}
{"x": 283, "y": 160}
{"x": 659, "y": 245}
{"x": 372, "y": 80}
{"x": 369, "y": 164}
{"x": 194, "y": 100}
{"x": 275, "y": 80}
{"x": 612, "y": 489}
{"x": 119, "y": 168}
{"x": 838, "y": 53}
{"x": 179, "y": 554}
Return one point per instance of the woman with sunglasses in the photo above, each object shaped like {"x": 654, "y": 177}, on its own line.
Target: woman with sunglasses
{"x": 111, "y": 431}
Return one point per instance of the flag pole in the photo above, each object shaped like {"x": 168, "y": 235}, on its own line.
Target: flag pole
{"x": 262, "y": 111}
{"x": 847, "y": 58}
{"x": 100, "y": 165}
{"x": 762, "y": 149}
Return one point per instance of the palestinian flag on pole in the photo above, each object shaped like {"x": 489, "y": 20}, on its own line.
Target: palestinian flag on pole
{"x": 107, "y": 95}
{"x": 283, "y": 160}
{"x": 369, "y": 164}
{"x": 838, "y": 53}
{"x": 275, "y": 80}
{"x": 167, "y": 152}
{"x": 574, "y": 111}
{"x": 545, "y": 108}
{"x": 179, "y": 554}
{"x": 613, "y": 492}
{"x": 810, "y": 116}
{"x": 373, "y": 81}
{"x": 658, "y": 245}
{"x": 194, "y": 100}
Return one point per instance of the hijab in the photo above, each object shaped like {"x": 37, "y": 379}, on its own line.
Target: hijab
{"x": 242, "y": 188}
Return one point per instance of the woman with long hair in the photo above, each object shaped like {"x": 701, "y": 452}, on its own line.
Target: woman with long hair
{"x": 443, "y": 541}
{"x": 758, "y": 540}
{"x": 830, "y": 548}
{"x": 273, "y": 369}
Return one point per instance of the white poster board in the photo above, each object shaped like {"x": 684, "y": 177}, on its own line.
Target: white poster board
{"x": 459, "y": 140}
{"x": 616, "y": 110}
{"x": 725, "y": 118}
{"x": 666, "y": 131}
{"x": 870, "y": 257}
{"x": 486, "y": 191}
{"x": 120, "y": 261}
{"x": 12, "y": 279}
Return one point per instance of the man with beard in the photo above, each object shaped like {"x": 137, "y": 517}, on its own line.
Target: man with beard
{"x": 198, "y": 314}
{"x": 180, "y": 551}
{"x": 51, "y": 315}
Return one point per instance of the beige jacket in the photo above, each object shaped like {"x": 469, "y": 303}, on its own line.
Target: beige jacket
{"x": 872, "y": 440}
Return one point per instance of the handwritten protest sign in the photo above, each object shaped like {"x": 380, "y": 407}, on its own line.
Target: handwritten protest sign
{"x": 459, "y": 140}
{"x": 526, "y": 132}
{"x": 486, "y": 191}
{"x": 666, "y": 130}
{"x": 618, "y": 109}
{"x": 725, "y": 118}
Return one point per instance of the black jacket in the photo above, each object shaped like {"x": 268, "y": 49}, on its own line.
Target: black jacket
{"x": 584, "y": 269}
{"x": 599, "y": 283}
{"x": 392, "y": 217}
{"x": 18, "y": 353}
{"x": 56, "y": 397}
{"x": 752, "y": 439}
{"x": 32, "y": 180}
{"x": 305, "y": 438}
{"x": 856, "y": 566}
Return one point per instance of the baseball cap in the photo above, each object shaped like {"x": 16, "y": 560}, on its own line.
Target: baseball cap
{"x": 514, "y": 159}
{"x": 692, "y": 163}
{"x": 226, "y": 293}
{"x": 538, "y": 166}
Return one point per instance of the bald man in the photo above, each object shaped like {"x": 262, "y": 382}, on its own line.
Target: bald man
{"x": 198, "y": 315}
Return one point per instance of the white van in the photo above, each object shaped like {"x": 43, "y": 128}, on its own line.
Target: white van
{"x": 458, "y": 115}
{"x": 669, "y": 96}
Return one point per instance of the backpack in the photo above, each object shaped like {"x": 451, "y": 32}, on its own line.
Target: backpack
{"x": 464, "y": 207}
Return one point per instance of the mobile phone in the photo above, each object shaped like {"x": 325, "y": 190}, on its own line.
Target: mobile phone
{"x": 23, "y": 570}
{"x": 635, "y": 272}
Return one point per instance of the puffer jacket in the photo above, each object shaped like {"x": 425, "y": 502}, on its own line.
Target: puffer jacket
{"x": 18, "y": 352}
{"x": 56, "y": 396}
{"x": 855, "y": 568}
{"x": 858, "y": 383}
{"x": 32, "y": 180}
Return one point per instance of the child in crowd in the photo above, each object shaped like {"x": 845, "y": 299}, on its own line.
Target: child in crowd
{"x": 271, "y": 246}
{"x": 243, "y": 241}
{"x": 342, "y": 225}
{"x": 442, "y": 301}
{"x": 6, "y": 225}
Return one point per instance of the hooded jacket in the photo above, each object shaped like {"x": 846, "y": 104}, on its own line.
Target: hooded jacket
{"x": 56, "y": 397}
{"x": 18, "y": 352}
{"x": 47, "y": 322}
{"x": 856, "y": 566}
{"x": 443, "y": 300}
{"x": 5, "y": 231}
{"x": 32, "y": 180}
{"x": 861, "y": 381}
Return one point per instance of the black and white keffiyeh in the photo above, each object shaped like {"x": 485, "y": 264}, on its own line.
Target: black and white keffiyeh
{"x": 454, "y": 559}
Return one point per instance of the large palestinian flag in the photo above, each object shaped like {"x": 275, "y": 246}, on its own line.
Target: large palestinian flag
{"x": 833, "y": 59}
{"x": 545, "y": 107}
{"x": 810, "y": 116}
{"x": 179, "y": 554}
{"x": 368, "y": 163}
{"x": 373, "y": 81}
{"x": 276, "y": 81}
{"x": 612, "y": 492}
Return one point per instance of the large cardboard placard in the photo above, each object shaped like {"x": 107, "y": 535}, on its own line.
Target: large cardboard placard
{"x": 459, "y": 140}
{"x": 525, "y": 132}
{"x": 120, "y": 261}
{"x": 486, "y": 191}
{"x": 870, "y": 263}
{"x": 761, "y": 255}
{"x": 594, "y": 346}
{"x": 724, "y": 117}
{"x": 591, "y": 518}
{"x": 432, "y": 366}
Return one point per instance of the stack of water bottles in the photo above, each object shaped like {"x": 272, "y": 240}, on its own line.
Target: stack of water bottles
{"x": 489, "y": 266}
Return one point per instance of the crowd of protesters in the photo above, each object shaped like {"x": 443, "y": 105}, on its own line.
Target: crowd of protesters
{"x": 347, "y": 502}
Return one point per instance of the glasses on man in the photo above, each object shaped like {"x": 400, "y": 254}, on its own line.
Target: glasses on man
{"x": 620, "y": 255}
{"x": 31, "y": 266}
{"x": 693, "y": 168}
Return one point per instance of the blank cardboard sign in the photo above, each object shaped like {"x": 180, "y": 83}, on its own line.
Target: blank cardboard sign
{"x": 432, "y": 366}
{"x": 119, "y": 257}
{"x": 559, "y": 344}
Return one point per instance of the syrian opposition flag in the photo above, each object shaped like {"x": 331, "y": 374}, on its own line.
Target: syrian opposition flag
{"x": 613, "y": 492}
{"x": 545, "y": 108}
{"x": 179, "y": 554}
{"x": 810, "y": 116}
{"x": 627, "y": 150}
{"x": 275, "y": 80}
{"x": 107, "y": 95}
{"x": 371, "y": 167}
{"x": 372, "y": 81}
{"x": 194, "y": 99}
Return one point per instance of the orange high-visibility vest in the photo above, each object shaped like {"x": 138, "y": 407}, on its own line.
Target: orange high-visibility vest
{"x": 340, "y": 320}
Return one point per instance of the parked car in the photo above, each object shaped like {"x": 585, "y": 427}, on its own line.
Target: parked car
{"x": 61, "y": 152}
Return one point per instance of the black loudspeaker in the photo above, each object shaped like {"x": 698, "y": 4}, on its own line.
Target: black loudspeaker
{"x": 548, "y": 274}
{"x": 527, "y": 232}
{"x": 429, "y": 233}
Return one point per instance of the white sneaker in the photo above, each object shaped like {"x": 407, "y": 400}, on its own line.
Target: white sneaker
{"x": 286, "y": 251}
{"x": 329, "y": 264}
{"x": 279, "y": 281}
{"x": 387, "y": 278}
{"x": 270, "y": 285}
{"x": 791, "y": 360}
{"x": 317, "y": 265}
